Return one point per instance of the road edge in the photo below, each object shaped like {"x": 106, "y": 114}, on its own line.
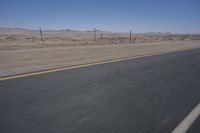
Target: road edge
{"x": 89, "y": 64}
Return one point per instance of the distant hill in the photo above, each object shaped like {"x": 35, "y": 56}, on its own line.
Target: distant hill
{"x": 8, "y": 31}
{"x": 26, "y": 31}
{"x": 13, "y": 30}
{"x": 69, "y": 30}
{"x": 23, "y": 30}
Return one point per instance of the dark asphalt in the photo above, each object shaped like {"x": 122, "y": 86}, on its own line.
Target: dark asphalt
{"x": 146, "y": 95}
{"x": 195, "y": 128}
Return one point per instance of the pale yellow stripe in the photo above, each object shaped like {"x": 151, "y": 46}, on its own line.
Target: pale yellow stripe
{"x": 80, "y": 66}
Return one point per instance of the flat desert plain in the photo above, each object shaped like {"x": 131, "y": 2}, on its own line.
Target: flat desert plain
{"x": 23, "y": 51}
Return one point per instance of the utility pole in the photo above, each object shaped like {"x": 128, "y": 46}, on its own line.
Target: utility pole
{"x": 41, "y": 34}
{"x": 95, "y": 34}
{"x": 130, "y": 38}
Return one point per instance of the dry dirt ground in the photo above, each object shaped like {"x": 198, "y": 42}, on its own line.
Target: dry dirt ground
{"x": 22, "y": 51}
{"x": 14, "y": 39}
{"x": 23, "y": 60}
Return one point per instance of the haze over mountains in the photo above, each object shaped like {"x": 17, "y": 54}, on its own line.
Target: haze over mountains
{"x": 6, "y": 30}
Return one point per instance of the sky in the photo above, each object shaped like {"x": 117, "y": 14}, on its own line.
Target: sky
{"x": 176, "y": 16}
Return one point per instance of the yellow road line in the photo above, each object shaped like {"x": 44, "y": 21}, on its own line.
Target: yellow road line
{"x": 80, "y": 66}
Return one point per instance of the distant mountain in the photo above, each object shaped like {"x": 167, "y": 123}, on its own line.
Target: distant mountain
{"x": 9, "y": 31}
{"x": 23, "y": 30}
{"x": 14, "y": 31}
{"x": 69, "y": 30}
{"x": 96, "y": 31}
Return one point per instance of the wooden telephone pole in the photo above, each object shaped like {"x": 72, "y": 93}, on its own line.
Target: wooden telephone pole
{"x": 41, "y": 34}
{"x": 95, "y": 34}
{"x": 130, "y": 37}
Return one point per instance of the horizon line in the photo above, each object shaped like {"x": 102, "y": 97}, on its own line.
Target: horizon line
{"x": 92, "y": 29}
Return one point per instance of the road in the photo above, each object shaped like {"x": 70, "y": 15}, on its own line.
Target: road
{"x": 145, "y": 95}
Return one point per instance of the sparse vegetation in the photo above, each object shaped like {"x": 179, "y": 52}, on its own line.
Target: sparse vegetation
{"x": 21, "y": 38}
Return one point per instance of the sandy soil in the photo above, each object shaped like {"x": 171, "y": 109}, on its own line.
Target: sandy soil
{"x": 17, "y": 39}
{"x": 18, "y": 61}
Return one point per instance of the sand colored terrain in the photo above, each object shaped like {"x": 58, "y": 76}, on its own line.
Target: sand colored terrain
{"x": 23, "y": 51}
{"x": 17, "y": 39}
{"x": 30, "y": 60}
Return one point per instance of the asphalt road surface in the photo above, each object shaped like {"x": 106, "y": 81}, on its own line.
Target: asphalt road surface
{"x": 145, "y": 95}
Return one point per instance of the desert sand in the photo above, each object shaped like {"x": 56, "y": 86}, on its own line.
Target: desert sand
{"x": 22, "y": 51}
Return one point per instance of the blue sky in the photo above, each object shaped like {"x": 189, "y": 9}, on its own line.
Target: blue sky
{"x": 178, "y": 16}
